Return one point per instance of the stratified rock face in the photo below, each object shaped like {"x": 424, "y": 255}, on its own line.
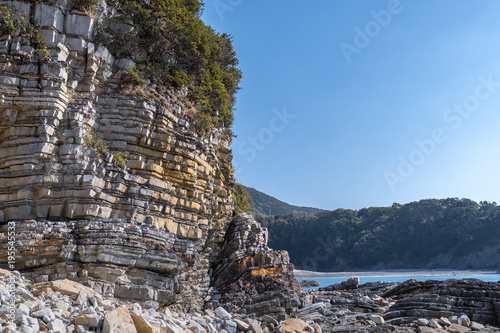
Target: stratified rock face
{"x": 116, "y": 258}
{"x": 477, "y": 299}
{"x": 114, "y": 189}
{"x": 253, "y": 278}
{"x": 143, "y": 229}
{"x": 55, "y": 112}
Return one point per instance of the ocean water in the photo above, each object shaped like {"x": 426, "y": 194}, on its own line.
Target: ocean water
{"x": 326, "y": 281}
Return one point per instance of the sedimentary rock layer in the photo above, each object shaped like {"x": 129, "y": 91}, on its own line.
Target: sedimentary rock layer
{"x": 74, "y": 145}
{"x": 477, "y": 299}
{"x": 112, "y": 187}
{"x": 107, "y": 186}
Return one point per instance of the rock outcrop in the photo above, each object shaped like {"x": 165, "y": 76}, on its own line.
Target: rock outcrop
{"x": 411, "y": 306}
{"x": 75, "y": 146}
{"x": 477, "y": 299}
{"x": 252, "y": 278}
{"x": 105, "y": 186}
{"x": 309, "y": 283}
{"x": 350, "y": 283}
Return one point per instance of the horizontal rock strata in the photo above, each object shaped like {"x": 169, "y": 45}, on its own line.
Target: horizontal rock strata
{"x": 117, "y": 258}
{"x": 65, "y": 123}
{"x": 108, "y": 186}
{"x": 477, "y": 299}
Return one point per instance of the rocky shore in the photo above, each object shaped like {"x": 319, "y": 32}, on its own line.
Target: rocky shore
{"x": 66, "y": 306}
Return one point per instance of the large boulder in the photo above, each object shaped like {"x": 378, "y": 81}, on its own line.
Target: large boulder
{"x": 294, "y": 325}
{"x": 118, "y": 321}
{"x": 70, "y": 288}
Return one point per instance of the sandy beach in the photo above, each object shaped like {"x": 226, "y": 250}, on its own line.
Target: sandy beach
{"x": 312, "y": 274}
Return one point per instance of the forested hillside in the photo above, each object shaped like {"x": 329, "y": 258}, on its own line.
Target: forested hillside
{"x": 449, "y": 233}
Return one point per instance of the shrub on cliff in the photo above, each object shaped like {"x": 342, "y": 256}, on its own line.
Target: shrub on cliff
{"x": 242, "y": 199}
{"x": 173, "y": 48}
{"x": 15, "y": 23}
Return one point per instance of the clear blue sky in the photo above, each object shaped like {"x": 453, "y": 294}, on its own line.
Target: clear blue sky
{"x": 351, "y": 104}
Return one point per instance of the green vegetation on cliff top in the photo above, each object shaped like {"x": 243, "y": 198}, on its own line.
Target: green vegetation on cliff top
{"x": 173, "y": 48}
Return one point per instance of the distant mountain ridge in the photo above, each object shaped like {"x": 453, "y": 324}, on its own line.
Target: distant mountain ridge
{"x": 266, "y": 205}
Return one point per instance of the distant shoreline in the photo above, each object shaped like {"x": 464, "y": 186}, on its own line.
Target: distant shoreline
{"x": 396, "y": 272}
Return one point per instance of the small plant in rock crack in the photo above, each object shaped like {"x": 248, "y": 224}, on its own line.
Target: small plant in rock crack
{"x": 94, "y": 141}
{"x": 14, "y": 23}
{"x": 88, "y": 7}
{"x": 119, "y": 159}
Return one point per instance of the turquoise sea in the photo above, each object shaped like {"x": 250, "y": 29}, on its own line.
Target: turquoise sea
{"x": 326, "y": 281}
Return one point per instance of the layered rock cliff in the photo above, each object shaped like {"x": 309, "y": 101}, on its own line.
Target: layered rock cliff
{"x": 109, "y": 187}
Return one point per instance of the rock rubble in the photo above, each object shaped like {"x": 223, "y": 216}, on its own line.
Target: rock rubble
{"x": 68, "y": 306}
